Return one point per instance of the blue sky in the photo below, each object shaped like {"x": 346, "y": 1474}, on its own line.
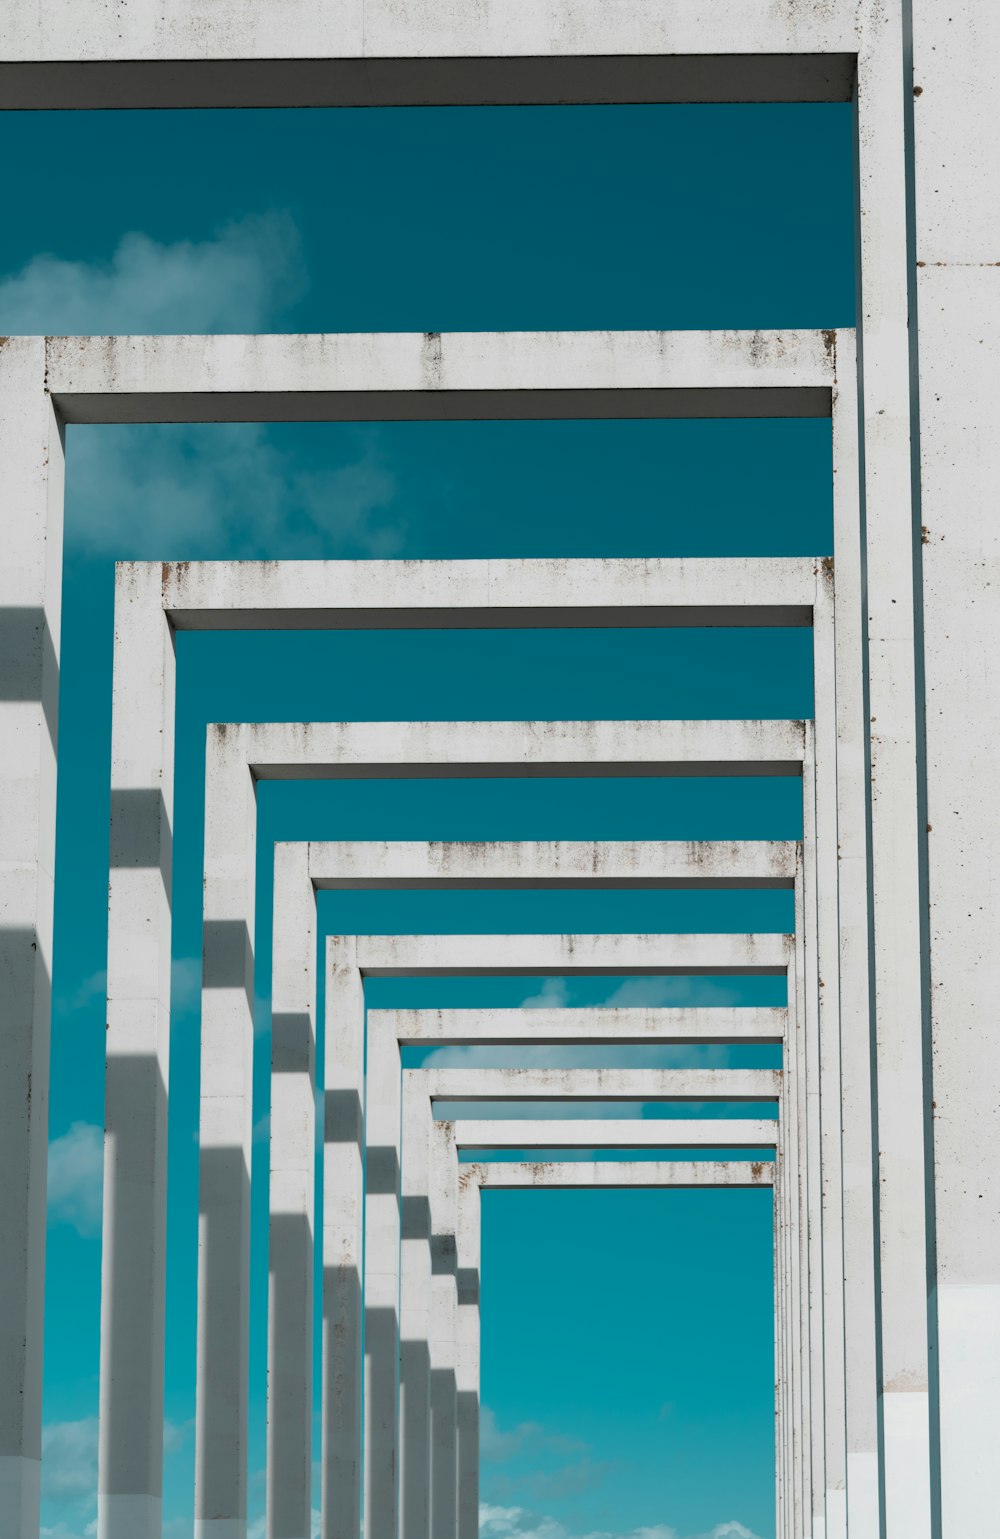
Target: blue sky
{"x": 629, "y": 1388}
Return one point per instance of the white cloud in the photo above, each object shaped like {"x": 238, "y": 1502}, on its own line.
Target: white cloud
{"x": 553, "y": 994}
{"x": 69, "y": 1471}
{"x": 76, "y": 1181}
{"x": 69, "y": 1460}
{"x": 527, "y": 1436}
{"x": 674, "y": 991}
{"x": 180, "y": 491}
{"x": 497, "y": 1522}
{"x": 234, "y": 281}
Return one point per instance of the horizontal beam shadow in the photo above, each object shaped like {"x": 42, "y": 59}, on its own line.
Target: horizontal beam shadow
{"x": 582, "y": 617}
{"x": 441, "y": 82}
{"x": 557, "y": 883}
{"x": 82, "y": 407}
{"x": 571, "y": 769}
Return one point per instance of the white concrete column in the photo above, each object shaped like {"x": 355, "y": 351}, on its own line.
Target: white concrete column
{"x": 293, "y": 1155}
{"x": 898, "y": 817}
{"x": 343, "y": 1239}
{"x": 810, "y": 1100}
{"x": 383, "y": 1120}
{"x": 444, "y": 1325}
{"x": 31, "y": 510}
{"x": 467, "y": 1360}
{"x": 225, "y": 1133}
{"x": 859, "y": 1261}
{"x": 133, "y": 1281}
{"x": 793, "y": 1181}
{"x": 956, "y": 52}
{"x": 415, "y": 1318}
{"x": 825, "y": 1109}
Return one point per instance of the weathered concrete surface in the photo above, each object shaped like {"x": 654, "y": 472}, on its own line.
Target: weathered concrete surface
{"x": 599, "y": 1084}
{"x": 629, "y": 1133}
{"x": 895, "y": 749}
{"x": 31, "y": 456}
{"x": 568, "y": 863}
{"x": 404, "y": 52}
{"x": 584, "y": 1175}
{"x": 541, "y": 1025}
{"x": 415, "y": 375}
{"x": 137, "y": 1052}
{"x": 956, "y": 60}
{"x": 427, "y": 956}
{"x": 438, "y": 749}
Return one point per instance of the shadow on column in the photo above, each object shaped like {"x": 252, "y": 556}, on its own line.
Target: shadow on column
{"x": 415, "y": 1396}
{"x": 289, "y": 1488}
{"x": 221, "y": 1447}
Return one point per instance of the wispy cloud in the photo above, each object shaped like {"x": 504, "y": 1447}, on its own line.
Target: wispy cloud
{"x": 69, "y": 1460}
{"x": 527, "y": 1436}
{"x": 180, "y": 491}
{"x": 496, "y": 1522}
{"x": 237, "y": 280}
{"x": 69, "y": 1474}
{"x": 76, "y": 1181}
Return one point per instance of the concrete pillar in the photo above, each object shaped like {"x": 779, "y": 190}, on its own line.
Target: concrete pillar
{"x": 415, "y": 1318}
{"x": 31, "y": 478}
{"x": 293, "y": 1154}
{"x": 821, "y": 890}
{"x": 343, "y": 1240}
{"x": 467, "y": 1349}
{"x": 896, "y": 802}
{"x": 809, "y": 1099}
{"x": 381, "y": 1296}
{"x": 133, "y": 1281}
{"x": 859, "y": 1272}
{"x": 956, "y": 52}
{"x": 225, "y": 1134}
{"x": 444, "y": 1327}
{"x": 797, "y": 1272}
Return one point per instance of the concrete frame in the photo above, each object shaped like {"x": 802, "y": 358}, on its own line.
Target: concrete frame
{"x": 429, "y": 1275}
{"x": 298, "y": 868}
{"x": 237, "y": 756}
{"x": 349, "y": 960}
{"x": 229, "y": 787}
{"x": 156, "y": 377}
{"x": 165, "y": 380}
{"x": 275, "y": 751}
{"x": 392, "y": 1029}
{"x": 926, "y": 246}
{"x": 473, "y": 1179}
{"x": 893, "y": 667}
{"x": 277, "y": 760}
{"x": 167, "y": 377}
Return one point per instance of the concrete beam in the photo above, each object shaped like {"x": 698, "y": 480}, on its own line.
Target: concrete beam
{"x": 547, "y": 956}
{"x": 385, "y": 750}
{"x": 583, "y": 863}
{"x": 543, "y": 1026}
{"x": 411, "y": 54}
{"x": 585, "y": 1175}
{"x": 416, "y": 376}
{"x": 629, "y": 1133}
{"x": 471, "y": 1084}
